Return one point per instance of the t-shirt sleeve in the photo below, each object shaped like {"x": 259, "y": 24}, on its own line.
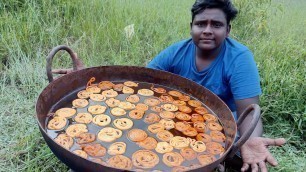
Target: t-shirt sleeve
{"x": 244, "y": 80}
{"x": 163, "y": 60}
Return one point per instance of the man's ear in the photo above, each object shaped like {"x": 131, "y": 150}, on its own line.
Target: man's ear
{"x": 228, "y": 30}
{"x": 190, "y": 27}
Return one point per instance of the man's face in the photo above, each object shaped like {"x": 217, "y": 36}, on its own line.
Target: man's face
{"x": 209, "y": 29}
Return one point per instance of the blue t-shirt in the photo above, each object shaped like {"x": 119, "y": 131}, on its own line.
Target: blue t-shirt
{"x": 233, "y": 75}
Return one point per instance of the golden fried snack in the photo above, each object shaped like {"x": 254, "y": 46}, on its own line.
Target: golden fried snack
{"x": 184, "y": 98}
{"x": 167, "y": 115}
{"x": 206, "y": 159}
{"x": 136, "y": 114}
{"x": 210, "y": 118}
{"x": 81, "y": 153}
{"x": 152, "y": 101}
{"x": 158, "y": 89}
{"x": 80, "y": 103}
{"x": 168, "y": 123}
{"x": 182, "y": 116}
{"x": 94, "y": 150}
{"x": 96, "y": 109}
{"x": 84, "y": 118}
{"x": 118, "y": 111}
{"x": 182, "y": 126}
{"x": 123, "y": 123}
{"x": 117, "y": 148}
{"x": 179, "y": 103}
{"x": 151, "y": 118}
{"x": 155, "y": 128}
{"x": 148, "y": 143}
{"x": 172, "y": 159}
{"x": 75, "y": 130}
{"x": 120, "y": 161}
{"x": 93, "y": 89}
{"x": 137, "y": 135}
{"x": 64, "y": 140}
{"x": 197, "y": 118}
{"x": 180, "y": 169}
{"x": 201, "y": 110}
{"x": 99, "y": 161}
{"x": 57, "y": 123}
{"x": 170, "y": 107}
{"x": 175, "y": 93}
{"x": 214, "y": 148}
{"x": 164, "y": 135}
{"x": 130, "y": 84}
{"x": 127, "y": 90}
{"x": 97, "y": 97}
{"x": 185, "y": 109}
{"x": 145, "y": 92}
{"x": 195, "y": 103}
{"x": 179, "y": 142}
{"x": 190, "y": 132}
{"x": 198, "y": 146}
{"x": 145, "y": 159}
{"x": 118, "y": 87}
{"x": 156, "y": 109}
{"x": 85, "y": 138}
{"x": 102, "y": 120}
{"x": 133, "y": 98}
{"x": 126, "y": 105}
{"x": 65, "y": 112}
{"x": 112, "y": 102}
{"x": 163, "y": 147}
{"x": 105, "y": 85}
{"x": 217, "y": 136}
{"x": 142, "y": 106}
{"x": 109, "y": 134}
{"x": 214, "y": 126}
{"x": 203, "y": 137}
{"x": 199, "y": 126}
{"x": 110, "y": 93}
{"x": 188, "y": 153}
{"x": 165, "y": 98}
{"x": 83, "y": 94}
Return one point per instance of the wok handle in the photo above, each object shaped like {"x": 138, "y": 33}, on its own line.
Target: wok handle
{"x": 52, "y": 54}
{"x": 246, "y": 135}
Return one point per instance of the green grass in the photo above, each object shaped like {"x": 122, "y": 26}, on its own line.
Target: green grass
{"x": 30, "y": 28}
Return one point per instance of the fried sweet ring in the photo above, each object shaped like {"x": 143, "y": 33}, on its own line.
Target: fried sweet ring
{"x": 173, "y": 159}
{"x": 179, "y": 142}
{"x": 165, "y": 98}
{"x": 206, "y": 159}
{"x": 201, "y": 110}
{"x": 120, "y": 161}
{"x": 184, "y": 98}
{"x": 112, "y": 102}
{"x": 142, "y": 106}
{"x": 151, "y": 118}
{"x": 182, "y": 116}
{"x": 97, "y": 97}
{"x": 117, "y": 148}
{"x": 155, "y": 128}
{"x": 190, "y": 132}
{"x": 81, "y": 153}
{"x": 180, "y": 169}
{"x": 133, "y": 98}
{"x": 96, "y": 109}
{"x": 175, "y": 93}
{"x": 109, "y": 134}
{"x": 145, "y": 92}
{"x": 93, "y": 89}
{"x": 158, "y": 89}
{"x": 105, "y": 85}
{"x": 65, "y": 112}
{"x": 197, "y": 118}
{"x": 83, "y": 94}
{"x": 185, "y": 109}
{"x": 102, "y": 120}
{"x": 94, "y": 150}
{"x": 217, "y": 136}
{"x": 84, "y": 118}
{"x": 145, "y": 159}
{"x": 214, "y": 148}
{"x": 188, "y": 153}
{"x": 118, "y": 111}
{"x": 199, "y": 126}
{"x": 137, "y": 135}
{"x": 57, "y": 123}
{"x": 168, "y": 123}
{"x": 195, "y": 103}
{"x": 136, "y": 114}
{"x": 164, "y": 135}
{"x": 86, "y": 138}
{"x": 198, "y": 146}
{"x": 163, "y": 147}
{"x": 118, "y": 87}
{"x": 110, "y": 93}
{"x": 64, "y": 140}
{"x": 127, "y": 90}
{"x": 75, "y": 130}
{"x": 123, "y": 123}
{"x": 182, "y": 126}
{"x": 167, "y": 115}
{"x": 156, "y": 109}
{"x": 170, "y": 107}
{"x": 152, "y": 101}
{"x": 130, "y": 84}
{"x": 203, "y": 137}
{"x": 179, "y": 103}
{"x": 126, "y": 105}
{"x": 209, "y": 117}
{"x": 148, "y": 143}
{"x": 214, "y": 126}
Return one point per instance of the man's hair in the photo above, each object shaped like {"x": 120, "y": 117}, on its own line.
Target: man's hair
{"x": 225, "y": 5}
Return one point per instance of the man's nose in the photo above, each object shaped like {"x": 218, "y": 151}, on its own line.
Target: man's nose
{"x": 207, "y": 30}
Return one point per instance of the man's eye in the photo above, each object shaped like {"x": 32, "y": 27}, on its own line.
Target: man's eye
{"x": 200, "y": 24}
{"x": 217, "y": 25}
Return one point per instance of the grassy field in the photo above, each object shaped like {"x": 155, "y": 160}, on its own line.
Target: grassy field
{"x": 274, "y": 31}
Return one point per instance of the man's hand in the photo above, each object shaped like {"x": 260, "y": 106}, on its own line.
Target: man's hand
{"x": 255, "y": 153}
{"x": 79, "y": 65}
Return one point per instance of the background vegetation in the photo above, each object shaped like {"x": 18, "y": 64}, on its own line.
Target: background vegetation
{"x": 274, "y": 30}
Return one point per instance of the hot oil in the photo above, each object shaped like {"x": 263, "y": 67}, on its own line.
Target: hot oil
{"x": 140, "y": 124}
